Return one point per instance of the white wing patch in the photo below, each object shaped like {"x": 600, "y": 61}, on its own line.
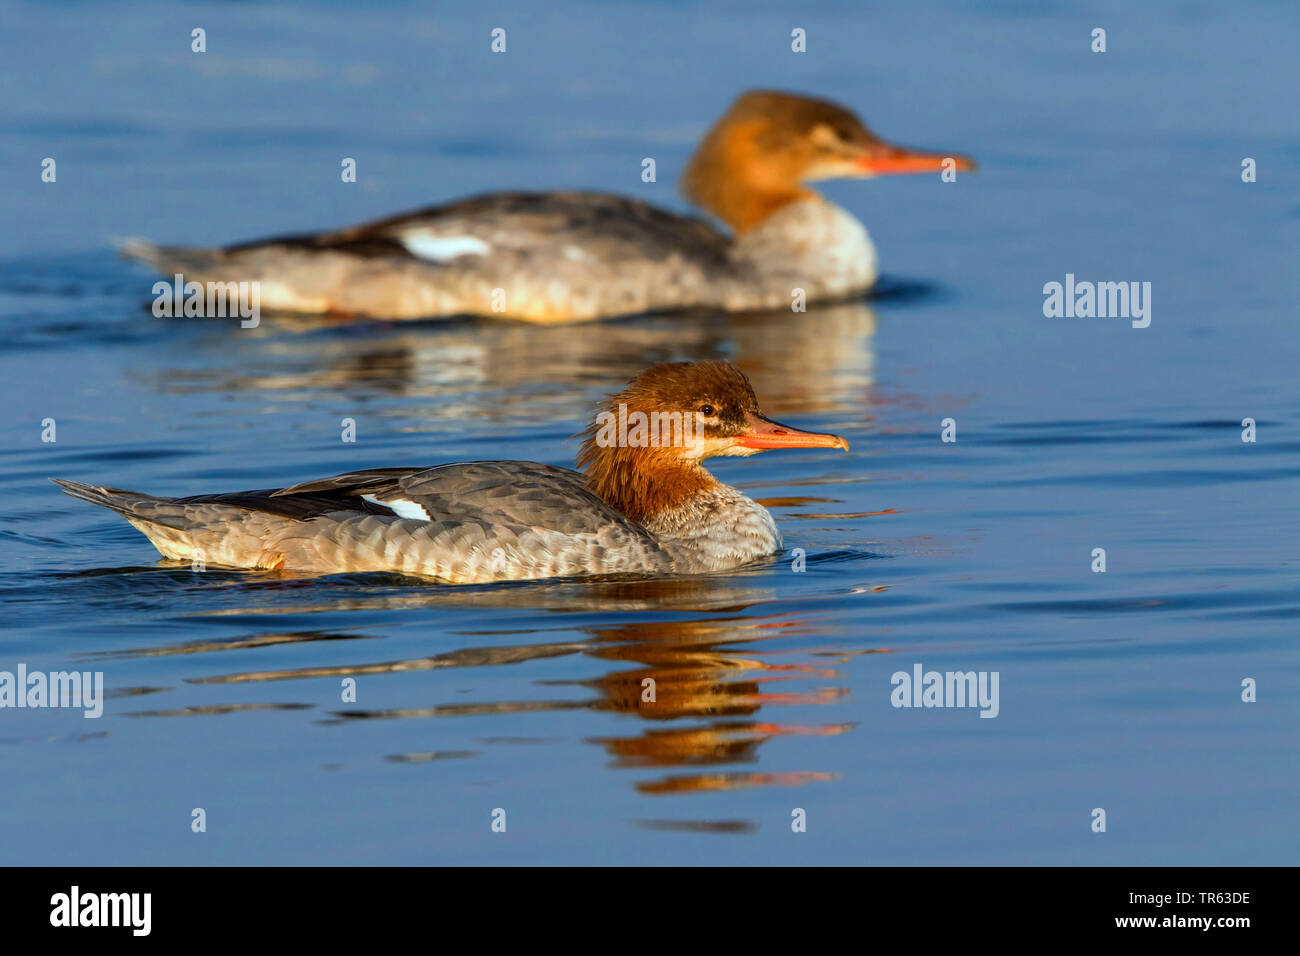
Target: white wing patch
{"x": 401, "y": 507}
{"x": 441, "y": 248}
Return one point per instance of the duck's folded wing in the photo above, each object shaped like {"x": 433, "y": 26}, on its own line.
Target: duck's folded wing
{"x": 503, "y": 224}
{"x": 477, "y": 521}
{"x": 516, "y": 494}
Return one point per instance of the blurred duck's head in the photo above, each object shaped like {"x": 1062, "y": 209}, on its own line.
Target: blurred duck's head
{"x": 759, "y": 155}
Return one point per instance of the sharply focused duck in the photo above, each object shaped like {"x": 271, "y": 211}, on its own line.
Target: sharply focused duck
{"x": 645, "y": 504}
{"x": 570, "y": 256}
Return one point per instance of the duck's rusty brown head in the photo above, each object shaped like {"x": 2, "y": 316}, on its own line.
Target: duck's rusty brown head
{"x": 642, "y": 452}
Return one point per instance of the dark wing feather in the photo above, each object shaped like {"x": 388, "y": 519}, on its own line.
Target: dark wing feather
{"x": 353, "y": 482}
{"x": 299, "y": 507}
{"x": 588, "y": 219}
{"x": 311, "y": 498}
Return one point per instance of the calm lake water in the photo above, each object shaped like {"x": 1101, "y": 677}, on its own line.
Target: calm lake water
{"x": 1119, "y": 690}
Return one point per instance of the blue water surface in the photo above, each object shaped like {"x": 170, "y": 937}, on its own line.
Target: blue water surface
{"x": 1119, "y": 690}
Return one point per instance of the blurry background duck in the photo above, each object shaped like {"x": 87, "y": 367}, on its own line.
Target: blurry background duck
{"x": 571, "y": 256}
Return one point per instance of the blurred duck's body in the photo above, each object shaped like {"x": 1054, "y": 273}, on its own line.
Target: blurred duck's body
{"x": 638, "y": 509}
{"x": 570, "y": 256}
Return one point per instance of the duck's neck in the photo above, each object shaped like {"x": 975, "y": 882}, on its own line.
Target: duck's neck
{"x": 787, "y": 237}
{"x": 643, "y": 482}
{"x": 704, "y": 524}
{"x": 745, "y": 206}
{"x": 724, "y": 178}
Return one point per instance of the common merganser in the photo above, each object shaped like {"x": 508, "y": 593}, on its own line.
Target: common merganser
{"x": 645, "y": 504}
{"x": 571, "y": 256}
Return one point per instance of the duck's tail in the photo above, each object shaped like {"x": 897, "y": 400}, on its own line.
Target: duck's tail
{"x": 185, "y": 530}
{"x": 192, "y": 261}
{"x": 120, "y": 500}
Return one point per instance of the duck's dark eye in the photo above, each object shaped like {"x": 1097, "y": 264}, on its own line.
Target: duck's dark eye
{"x": 707, "y": 411}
